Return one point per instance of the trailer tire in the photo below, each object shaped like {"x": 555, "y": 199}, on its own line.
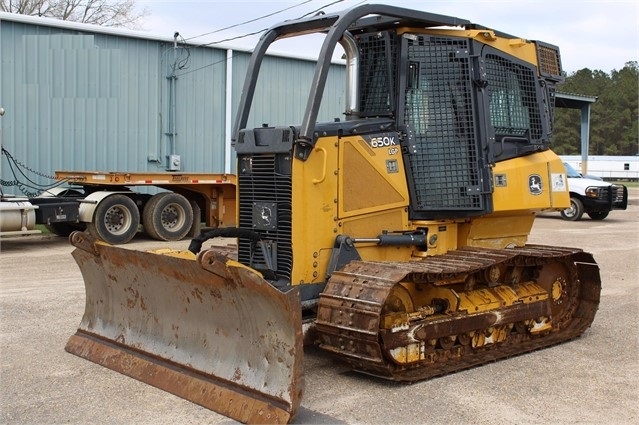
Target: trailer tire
{"x": 167, "y": 216}
{"x": 575, "y": 211}
{"x": 115, "y": 220}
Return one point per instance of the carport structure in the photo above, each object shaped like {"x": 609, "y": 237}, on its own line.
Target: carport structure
{"x": 581, "y": 102}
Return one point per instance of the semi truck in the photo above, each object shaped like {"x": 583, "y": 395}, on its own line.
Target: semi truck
{"x": 111, "y": 206}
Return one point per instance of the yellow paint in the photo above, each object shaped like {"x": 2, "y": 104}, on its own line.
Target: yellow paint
{"x": 346, "y": 187}
{"x": 496, "y": 232}
{"x": 186, "y": 255}
{"x": 557, "y": 290}
{"x": 314, "y": 222}
{"x": 511, "y": 180}
{"x": 523, "y": 49}
{"x": 408, "y": 354}
{"x": 530, "y": 292}
{"x": 365, "y": 183}
{"x": 486, "y": 299}
{"x": 478, "y": 301}
{"x": 442, "y": 236}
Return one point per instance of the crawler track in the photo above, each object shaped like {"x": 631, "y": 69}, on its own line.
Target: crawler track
{"x": 557, "y": 287}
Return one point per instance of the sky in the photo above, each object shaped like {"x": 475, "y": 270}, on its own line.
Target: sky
{"x": 599, "y": 35}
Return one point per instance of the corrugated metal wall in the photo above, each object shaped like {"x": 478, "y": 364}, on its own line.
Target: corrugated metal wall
{"x": 99, "y": 101}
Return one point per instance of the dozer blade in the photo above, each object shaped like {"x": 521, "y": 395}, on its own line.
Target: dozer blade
{"x": 208, "y": 329}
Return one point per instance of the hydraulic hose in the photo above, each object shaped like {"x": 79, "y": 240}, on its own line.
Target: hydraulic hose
{"x": 226, "y": 232}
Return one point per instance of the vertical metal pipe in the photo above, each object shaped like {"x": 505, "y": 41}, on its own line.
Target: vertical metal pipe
{"x": 173, "y": 112}
{"x": 352, "y": 73}
{"x": 585, "y": 137}
{"x": 228, "y": 103}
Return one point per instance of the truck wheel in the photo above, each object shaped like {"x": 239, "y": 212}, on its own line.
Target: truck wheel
{"x": 598, "y": 215}
{"x": 116, "y": 220}
{"x": 575, "y": 211}
{"x": 167, "y": 217}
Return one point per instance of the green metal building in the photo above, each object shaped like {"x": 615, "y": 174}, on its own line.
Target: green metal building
{"x": 84, "y": 97}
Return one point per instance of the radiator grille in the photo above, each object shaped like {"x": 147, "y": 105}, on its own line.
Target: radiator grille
{"x": 266, "y": 179}
{"x": 617, "y": 194}
{"x": 602, "y": 194}
{"x": 549, "y": 60}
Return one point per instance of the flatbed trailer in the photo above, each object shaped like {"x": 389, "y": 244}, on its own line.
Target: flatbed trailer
{"x": 188, "y": 200}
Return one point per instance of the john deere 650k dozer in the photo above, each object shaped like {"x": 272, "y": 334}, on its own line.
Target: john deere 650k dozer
{"x": 400, "y": 231}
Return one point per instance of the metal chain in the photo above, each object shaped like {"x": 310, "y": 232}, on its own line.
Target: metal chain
{"x": 26, "y": 188}
{"x": 26, "y": 167}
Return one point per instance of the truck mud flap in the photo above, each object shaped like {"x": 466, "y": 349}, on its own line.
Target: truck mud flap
{"x": 206, "y": 329}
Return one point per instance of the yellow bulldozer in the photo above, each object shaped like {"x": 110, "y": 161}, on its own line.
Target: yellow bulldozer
{"x": 394, "y": 238}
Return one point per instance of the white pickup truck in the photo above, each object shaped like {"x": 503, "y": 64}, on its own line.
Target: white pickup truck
{"x": 594, "y": 197}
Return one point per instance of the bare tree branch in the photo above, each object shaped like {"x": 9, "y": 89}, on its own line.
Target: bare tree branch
{"x": 109, "y": 13}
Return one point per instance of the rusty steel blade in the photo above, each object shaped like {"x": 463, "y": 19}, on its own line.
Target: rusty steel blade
{"x": 208, "y": 330}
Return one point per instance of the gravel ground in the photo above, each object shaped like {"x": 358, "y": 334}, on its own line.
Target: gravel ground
{"x": 593, "y": 379}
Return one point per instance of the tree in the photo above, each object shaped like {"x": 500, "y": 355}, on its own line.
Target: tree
{"x": 613, "y": 119}
{"x": 109, "y": 13}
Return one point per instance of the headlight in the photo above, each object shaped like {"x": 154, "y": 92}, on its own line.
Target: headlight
{"x": 592, "y": 192}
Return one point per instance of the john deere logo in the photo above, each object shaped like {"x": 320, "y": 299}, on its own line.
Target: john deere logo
{"x": 534, "y": 184}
